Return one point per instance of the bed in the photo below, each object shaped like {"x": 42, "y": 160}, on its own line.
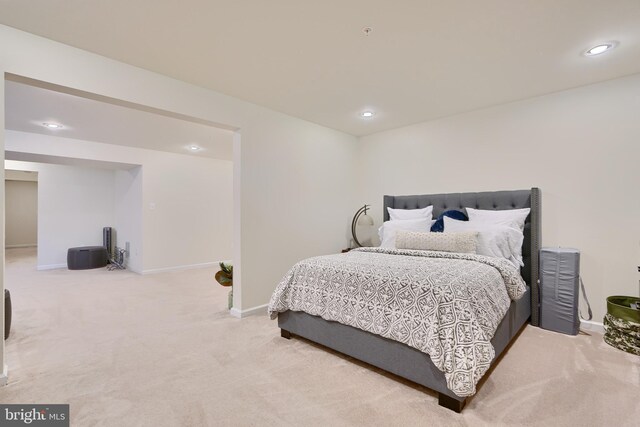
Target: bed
{"x": 407, "y": 361}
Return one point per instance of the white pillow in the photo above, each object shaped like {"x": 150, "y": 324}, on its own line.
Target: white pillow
{"x": 389, "y": 229}
{"x": 465, "y": 243}
{"x": 403, "y": 214}
{"x": 513, "y": 217}
{"x": 496, "y": 240}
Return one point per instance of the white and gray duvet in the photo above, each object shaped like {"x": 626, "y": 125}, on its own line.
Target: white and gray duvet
{"x": 447, "y": 305}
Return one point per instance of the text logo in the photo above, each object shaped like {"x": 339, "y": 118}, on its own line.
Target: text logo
{"x": 34, "y": 415}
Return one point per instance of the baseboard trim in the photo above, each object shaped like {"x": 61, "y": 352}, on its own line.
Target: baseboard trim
{"x": 133, "y": 270}
{"x": 261, "y": 309}
{"x": 591, "y": 326}
{"x": 27, "y": 245}
{"x": 4, "y": 377}
{"x": 179, "y": 268}
{"x": 51, "y": 267}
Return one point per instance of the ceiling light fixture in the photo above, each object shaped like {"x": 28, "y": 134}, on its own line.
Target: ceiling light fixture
{"x": 600, "y": 49}
{"x": 367, "y": 114}
{"x": 194, "y": 148}
{"x": 52, "y": 125}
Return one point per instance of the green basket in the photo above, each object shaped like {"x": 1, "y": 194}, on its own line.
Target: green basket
{"x": 620, "y": 307}
{"x": 622, "y": 324}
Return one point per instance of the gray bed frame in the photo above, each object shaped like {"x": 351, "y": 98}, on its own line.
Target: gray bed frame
{"x": 405, "y": 361}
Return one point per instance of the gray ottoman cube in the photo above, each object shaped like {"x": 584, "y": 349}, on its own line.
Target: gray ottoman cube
{"x": 86, "y": 257}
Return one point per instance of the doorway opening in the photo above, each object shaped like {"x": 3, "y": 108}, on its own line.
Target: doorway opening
{"x": 21, "y": 217}
{"x": 163, "y": 181}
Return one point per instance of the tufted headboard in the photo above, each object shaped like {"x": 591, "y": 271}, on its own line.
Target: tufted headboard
{"x": 497, "y": 200}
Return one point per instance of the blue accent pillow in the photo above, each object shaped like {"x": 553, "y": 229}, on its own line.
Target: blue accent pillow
{"x": 438, "y": 226}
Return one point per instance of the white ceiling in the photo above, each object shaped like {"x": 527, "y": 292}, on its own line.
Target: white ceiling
{"x": 28, "y": 107}
{"x": 424, "y": 59}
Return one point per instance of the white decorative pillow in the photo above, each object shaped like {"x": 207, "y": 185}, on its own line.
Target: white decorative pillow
{"x": 513, "y": 217}
{"x": 404, "y": 214}
{"x": 464, "y": 242}
{"x": 389, "y": 229}
{"x": 496, "y": 240}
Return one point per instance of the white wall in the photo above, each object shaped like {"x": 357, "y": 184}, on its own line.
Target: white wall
{"x": 127, "y": 222}
{"x": 175, "y": 210}
{"x": 74, "y": 204}
{"x": 297, "y": 200}
{"x": 21, "y": 213}
{"x": 579, "y": 146}
{"x": 3, "y": 365}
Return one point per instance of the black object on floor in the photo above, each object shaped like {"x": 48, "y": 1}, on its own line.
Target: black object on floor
{"x": 7, "y": 313}
{"x": 107, "y": 233}
{"x": 86, "y": 257}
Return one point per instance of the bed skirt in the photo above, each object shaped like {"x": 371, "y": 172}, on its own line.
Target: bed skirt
{"x": 392, "y": 356}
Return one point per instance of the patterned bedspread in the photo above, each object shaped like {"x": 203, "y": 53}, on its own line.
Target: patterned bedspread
{"x": 447, "y": 305}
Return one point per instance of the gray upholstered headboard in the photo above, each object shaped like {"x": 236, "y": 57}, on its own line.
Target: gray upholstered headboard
{"x": 497, "y": 200}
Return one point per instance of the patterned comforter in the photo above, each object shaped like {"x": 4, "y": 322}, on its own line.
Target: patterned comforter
{"x": 447, "y": 305}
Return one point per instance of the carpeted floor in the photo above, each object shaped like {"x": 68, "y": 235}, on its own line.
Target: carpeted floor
{"x": 162, "y": 350}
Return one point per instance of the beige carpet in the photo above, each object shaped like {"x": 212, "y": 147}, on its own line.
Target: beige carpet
{"x": 161, "y": 350}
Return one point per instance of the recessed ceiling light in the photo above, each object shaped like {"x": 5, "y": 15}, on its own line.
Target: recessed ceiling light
{"x": 600, "y": 49}
{"x": 194, "y": 148}
{"x": 367, "y": 114}
{"x": 52, "y": 125}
